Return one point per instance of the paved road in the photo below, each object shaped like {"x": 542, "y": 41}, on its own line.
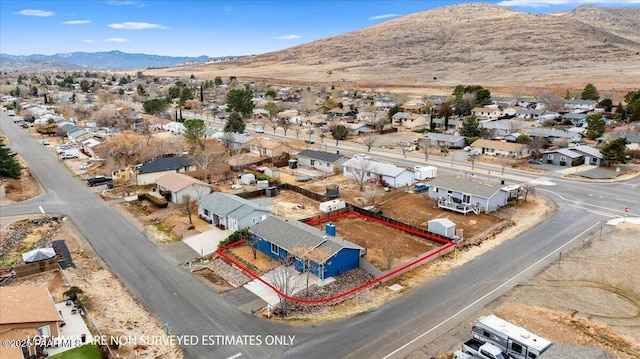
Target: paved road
{"x": 172, "y": 294}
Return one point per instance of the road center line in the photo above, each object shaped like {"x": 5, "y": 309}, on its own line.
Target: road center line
{"x": 235, "y": 356}
{"x": 41, "y": 209}
{"x": 491, "y": 292}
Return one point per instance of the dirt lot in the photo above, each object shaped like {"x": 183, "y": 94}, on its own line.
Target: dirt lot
{"x": 114, "y": 310}
{"x": 377, "y": 239}
{"x": 294, "y": 205}
{"x": 16, "y": 190}
{"x": 592, "y": 299}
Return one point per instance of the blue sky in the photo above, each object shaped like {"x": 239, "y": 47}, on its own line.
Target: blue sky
{"x": 212, "y": 28}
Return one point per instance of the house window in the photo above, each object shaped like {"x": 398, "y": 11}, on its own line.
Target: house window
{"x": 563, "y": 159}
{"x": 449, "y": 193}
{"x": 313, "y": 162}
{"x": 550, "y": 157}
{"x": 327, "y": 164}
{"x": 206, "y": 212}
{"x": 466, "y": 198}
{"x": 275, "y": 249}
{"x": 255, "y": 220}
{"x": 44, "y": 331}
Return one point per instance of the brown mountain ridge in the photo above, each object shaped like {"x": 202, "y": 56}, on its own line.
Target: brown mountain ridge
{"x": 473, "y": 43}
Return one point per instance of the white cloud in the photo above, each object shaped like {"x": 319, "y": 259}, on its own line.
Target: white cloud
{"x": 227, "y": 9}
{"x": 31, "y": 12}
{"x": 380, "y": 17}
{"x": 88, "y": 41}
{"x": 77, "y": 22}
{"x": 136, "y": 26}
{"x": 121, "y": 3}
{"x": 288, "y": 37}
{"x": 547, "y": 3}
{"x": 116, "y": 39}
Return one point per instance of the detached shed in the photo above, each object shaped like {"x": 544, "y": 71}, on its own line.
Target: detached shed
{"x": 443, "y": 227}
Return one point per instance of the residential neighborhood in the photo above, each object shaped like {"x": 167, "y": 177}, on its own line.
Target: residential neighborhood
{"x": 326, "y": 190}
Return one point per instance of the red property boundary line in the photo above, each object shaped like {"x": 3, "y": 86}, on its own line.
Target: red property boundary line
{"x": 449, "y": 244}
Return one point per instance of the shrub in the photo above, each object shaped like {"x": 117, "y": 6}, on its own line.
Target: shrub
{"x": 562, "y": 163}
{"x": 549, "y": 161}
{"x": 237, "y": 235}
{"x": 158, "y": 202}
{"x": 577, "y": 162}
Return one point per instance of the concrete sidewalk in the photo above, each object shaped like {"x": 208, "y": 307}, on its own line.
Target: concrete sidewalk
{"x": 207, "y": 242}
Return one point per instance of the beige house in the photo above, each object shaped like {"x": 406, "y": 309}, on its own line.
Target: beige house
{"x": 485, "y": 113}
{"x": 499, "y": 148}
{"x": 263, "y": 147}
{"x": 26, "y": 312}
{"x": 175, "y": 186}
{"x": 408, "y": 121}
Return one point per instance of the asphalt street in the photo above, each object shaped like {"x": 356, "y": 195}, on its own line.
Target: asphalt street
{"x": 394, "y": 330}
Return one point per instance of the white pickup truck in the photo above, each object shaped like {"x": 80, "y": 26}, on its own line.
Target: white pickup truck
{"x": 476, "y": 349}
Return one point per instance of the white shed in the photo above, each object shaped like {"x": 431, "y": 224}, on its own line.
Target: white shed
{"x": 443, "y": 227}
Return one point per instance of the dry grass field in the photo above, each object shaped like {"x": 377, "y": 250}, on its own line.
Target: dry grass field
{"x": 432, "y": 51}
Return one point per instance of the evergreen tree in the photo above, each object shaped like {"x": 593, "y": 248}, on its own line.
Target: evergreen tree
{"x": 235, "y": 123}
{"x": 595, "y": 126}
{"x": 9, "y": 165}
{"x": 239, "y": 100}
{"x": 590, "y": 93}
{"x": 194, "y": 132}
{"x": 471, "y": 127}
{"x": 217, "y": 81}
{"x": 614, "y": 151}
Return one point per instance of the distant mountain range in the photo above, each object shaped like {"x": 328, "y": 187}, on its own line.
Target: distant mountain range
{"x": 112, "y": 60}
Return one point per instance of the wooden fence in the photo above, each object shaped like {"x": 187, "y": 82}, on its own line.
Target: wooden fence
{"x": 46, "y": 265}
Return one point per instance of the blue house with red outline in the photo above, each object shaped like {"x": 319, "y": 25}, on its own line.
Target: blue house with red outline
{"x": 328, "y": 255}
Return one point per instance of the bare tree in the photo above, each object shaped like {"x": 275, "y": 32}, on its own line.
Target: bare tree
{"x": 518, "y": 94}
{"x": 308, "y": 101}
{"x": 296, "y": 129}
{"x": 472, "y": 157}
{"x": 527, "y": 189}
{"x": 426, "y": 146}
{"x": 503, "y": 161}
{"x": 189, "y": 205}
{"x": 371, "y": 193}
{"x": 535, "y": 144}
{"x": 208, "y": 156}
{"x": 285, "y": 124}
{"x": 227, "y": 140}
{"x": 360, "y": 171}
{"x": 551, "y": 102}
{"x": 285, "y": 278}
{"x": 105, "y": 117}
{"x": 370, "y": 139}
{"x": 390, "y": 251}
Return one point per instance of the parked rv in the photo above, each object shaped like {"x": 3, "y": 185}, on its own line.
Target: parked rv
{"x": 517, "y": 342}
{"x": 477, "y": 349}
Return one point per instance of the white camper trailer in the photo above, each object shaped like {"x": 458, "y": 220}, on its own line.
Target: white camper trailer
{"x": 517, "y": 342}
{"x": 332, "y": 205}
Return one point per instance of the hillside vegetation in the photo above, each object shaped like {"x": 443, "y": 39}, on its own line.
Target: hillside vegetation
{"x": 470, "y": 43}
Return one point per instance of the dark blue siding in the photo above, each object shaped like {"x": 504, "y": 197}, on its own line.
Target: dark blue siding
{"x": 340, "y": 262}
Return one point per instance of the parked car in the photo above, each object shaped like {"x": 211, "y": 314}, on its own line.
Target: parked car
{"x": 99, "y": 180}
{"x": 259, "y": 130}
{"x": 309, "y": 141}
{"x": 420, "y": 187}
{"x": 67, "y": 156}
{"x": 45, "y": 142}
{"x": 535, "y": 162}
{"x": 85, "y": 165}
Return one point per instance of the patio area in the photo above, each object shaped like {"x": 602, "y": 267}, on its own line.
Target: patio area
{"x": 73, "y": 333}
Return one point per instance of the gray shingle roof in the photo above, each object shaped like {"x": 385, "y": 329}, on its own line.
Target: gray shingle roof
{"x": 443, "y": 137}
{"x": 165, "y": 164}
{"x": 224, "y": 204}
{"x": 464, "y": 186}
{"x": 320, "y": 155}
{"x": 379, "y": 168}
{"x": 291, "y": 234}
{"x": 587, "y": 150}
{"x": 565, "y": 152}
